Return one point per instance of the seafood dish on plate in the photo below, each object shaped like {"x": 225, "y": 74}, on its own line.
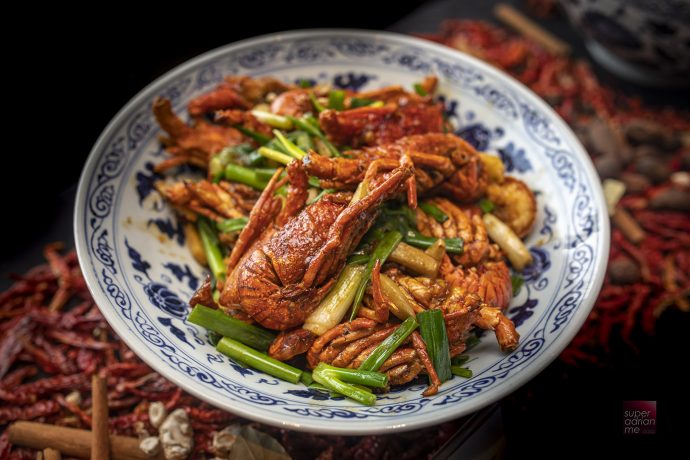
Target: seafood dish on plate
{"x": 353, "y": 229}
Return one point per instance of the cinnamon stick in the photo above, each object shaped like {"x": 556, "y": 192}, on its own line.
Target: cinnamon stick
{"x": 51, "y": 454}
{"x": 100, "y": 442}
{"x": 71, "y": 442}
{"x": 530, "y": 29}
{"x": 628, "y": 225}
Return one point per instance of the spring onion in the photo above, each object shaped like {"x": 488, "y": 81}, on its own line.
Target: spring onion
{"x": 333, "y": 383}
{"x": 434, "y": 211}
{"x": 433, "y": 329}
{"x": 415, "y": 259}
{"x": 275, "y": 155}
{"x": 209, "y": 240}
{"x": 214, "y": 337}
{"x": 459, "y": 360}
{"x": 234, "y": 154}
{"x": 356, "y": 376}
{"x": 453, "y": 245}
{"x": 386, "y": 348}
{"x": 336, "y": 99}
{"x": 509, "y": 242}
{"x": 333, "y": 307}
{"x": 382, "y": 251}
{"x": 315, "y": 102}
{"x": 358, "y": 259}
{"x": 357, "y": 102}
{"x": 400, "y": 304}
{"x": 461, "y": 371}
{"x": 271, "y": 119}
{"x": 288, "y": 145}
{"x": 419, "y": 89}
{"x": 258, "y": 360}
{"x": 242, "y": 175}
{"x": 231, "y": 225}
{"x": 437, "y": 250}
{"x": 306, "y": 378}
{"x": 227, "y": 326}
{"x": 304, "y": 83}
{"x": 261, "y": 139}
{"x": 486, "y": 205}
{"x": 517, "y": 281}
{"x": 302, "y": 140}
{"x": 311, "y": 125}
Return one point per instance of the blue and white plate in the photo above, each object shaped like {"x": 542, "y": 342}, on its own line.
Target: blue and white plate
{"x": 132, "y": 248}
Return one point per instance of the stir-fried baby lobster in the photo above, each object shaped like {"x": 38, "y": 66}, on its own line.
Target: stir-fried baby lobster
{"x": 279, "y": 272}
{"x": 190, "y": 144}
{"x": 349, "y": 344}
{"x": 403, "y": 114}
{"x": 215, "y": 201}
{"x": 462, "y": 307}
{"x": 443, "y": 163}
{"x": 514, "y": 203}
{"x": 465, "y": 223}
{"x": 236, "y": 92}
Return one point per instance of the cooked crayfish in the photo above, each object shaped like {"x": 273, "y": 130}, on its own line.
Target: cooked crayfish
{"x": 285, "y": 261}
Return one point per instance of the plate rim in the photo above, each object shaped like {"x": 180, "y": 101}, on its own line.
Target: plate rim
{"x": 368, "y": 426}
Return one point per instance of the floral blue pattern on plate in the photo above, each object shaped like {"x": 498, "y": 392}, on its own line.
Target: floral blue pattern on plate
{"x": 131, "y": 246}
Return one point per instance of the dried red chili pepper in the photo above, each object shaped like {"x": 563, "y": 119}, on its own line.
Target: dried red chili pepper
{"x": 38, "y": 409}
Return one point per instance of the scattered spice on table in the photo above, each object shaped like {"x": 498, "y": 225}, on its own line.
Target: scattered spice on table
{"x": 53, "y": 339}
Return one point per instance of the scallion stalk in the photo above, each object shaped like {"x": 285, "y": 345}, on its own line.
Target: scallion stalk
{"x": 357, "y": 102}
{"x": 209, "y": 240}
{"x": 486, "y": 205}
{"x": 311, "y": 125}
{"x": 261, "y": 139}
{"x": 415, "y": 259}
{"x": 260, "y": 361}
{"x": 271, "y": 119}
{"x": 336, "y": 99}
{"x": 433, "y": 329}
{"x": 461, "y": 371}
{"x": 358, "y": 259}
{"x": 386, "y": 348}
{"x": 434, "y": 211}
{"x": 333, "y": 307}
{"x": 414, "y": 238}
{"x": 231, "y": 225}
{"x": 419, "y": 89}
{"x": 275, "y": 155}
{"x": 383, "y": 249}
{"x": 356, "y": 376}
{"x": 459, "y": 360}
{"x": 287, "y": 144}
{"x": 315, "y": 102}
{"x": 306, "y": 378}
{"x": 330, "y": 381}
{"x": 242, "y": 175}
{"x": 227, "y": 326}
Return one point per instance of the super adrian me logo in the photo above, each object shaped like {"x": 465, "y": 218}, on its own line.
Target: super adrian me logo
{"x": 639, "y": 417}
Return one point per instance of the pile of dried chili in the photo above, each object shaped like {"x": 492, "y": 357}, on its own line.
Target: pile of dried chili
{"x": 53, "y": 338}
{"x": 645, "y": 149}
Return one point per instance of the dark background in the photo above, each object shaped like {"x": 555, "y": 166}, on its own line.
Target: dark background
{"x": 69, "y": 72}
